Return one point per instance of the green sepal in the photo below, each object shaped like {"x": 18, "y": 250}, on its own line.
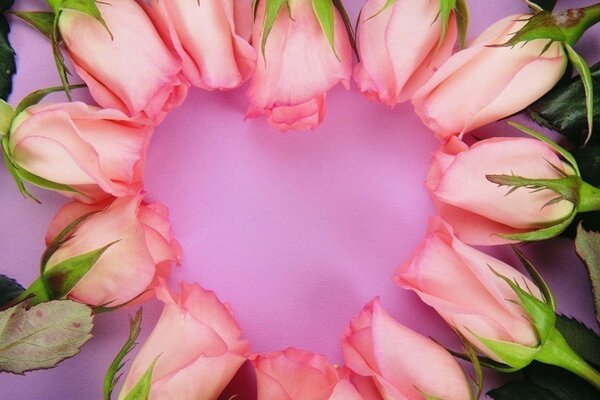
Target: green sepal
{"x": 6, "y": 116}
{"x": 537, "y": 278}
{"x": 35, "y": 97}
{"x": 111, "y": 378}
{"x": 45, "y": 183}
{"x": 559, "y": 149}
{"x": 141, "y": 390}
{"x": 272, "y": 8}
{"x": 541, "y": 5}
{"x": 325, "y": 15}
{"x": 588, "y": 84}
{"x": 87, "y": 7}
{"x": 61, "y": 278}
{"x": 446, "y": 7}
{"x": 387, "y": 5}
{"x": 42, "y": 21}
{"x": 61, "y": 239}
{"x": 348, "y": 24}
{"x": 541, "y": 234}
{"x": 541, "y": 25}
{"x": 36, "y": 293}
{"x": 462, "y": 20}
{"x": 12, "y": 169}
{"x": 515, "y": 355}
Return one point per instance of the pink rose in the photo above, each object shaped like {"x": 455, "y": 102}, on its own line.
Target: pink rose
{"x": 133, "y": 70}
{"x": 398, "y": 48}
{"x": 294, "y": 374}
{"x": 144, "y": 248}
{"x": 298, "y": 68}
{"x": 461, "y": 284}
{"x": 197, "y": 345}
{"x": 99, "y": 153}
{"x": 482, "y": 84}
{"x": 477, "y": 208}
{"x": 212, "y": 39}
{"x": 397, "y": 363}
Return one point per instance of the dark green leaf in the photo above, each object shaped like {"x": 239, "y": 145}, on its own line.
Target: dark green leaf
{"x": 111, "y": 379}
{"x": 141, "y": 390}
{"x": 6, "y": 5}
{"x": 9, "y": 289}
{"x": 8, "y": 67}
{"x": 580, "y": 338}
{"x": 324, "y": 11}
{"x": 547, "y": 5}
{"x": 35, "y": 97}
{"x": 42, "y": 21}
{"x": 588, "y": 160}
{"x": 521, "y": 391}
{"x": 587, "y": 244}
{"x": 42, "y": 336}
{"x": 63, "y": 277}
{"x": 563, "y": 109}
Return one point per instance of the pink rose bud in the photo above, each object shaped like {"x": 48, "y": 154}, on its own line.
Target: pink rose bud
{"x": 141, "y": 249}
{"x": 133, "y": 71}
{"x": 462, "y": 285}
{"x": 398, "y": 47}
{"x": 212, "y": 39}
{"x": 297, "y": 66}
{"x": 96, "y": 152}
{"x": 197, "y": 346}
{"x": 294, "y": 374}
{"x": 398, "y": 363}
{"x": 477, "y": 208}
{"x": 482, "y": 84}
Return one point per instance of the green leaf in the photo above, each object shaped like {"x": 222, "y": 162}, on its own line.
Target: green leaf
{"x": 521, "y": 391}
{"x": 587, "y": 245}
{"x": 62, "y": 277}
{"x": 141, "y": 390}
{"x": 34, "y": 98}
{"x": 563, "y": 109}
{"x": 9, "y": 289}
{"x": 111, "y": 379}
{"x": 8, "y": 67}
{"x": 42, "y": 21}
{"x": 586, "y": 76}
{"x": 272, "y": 8}
{"x": 545, "y": 382}
{"x": 42, "y": 336}
{"x": 580, "y": 338}
{"x": 588, "y": 160}
{"x": 325, "y": 14}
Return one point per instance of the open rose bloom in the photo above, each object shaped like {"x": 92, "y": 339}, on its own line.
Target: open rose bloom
{"x": 143, "y": 248}
{"x": 482, "y": 84}
{"x": 212, "y": 39}
{"x": 462, "y": 285}
{"x": 298, "y": 68}
{"x": 97, "y": 152}
{"x": 197, "y": 346}
{"x": 294, "y": 374}
{"x": 390, "y": 361}
{"x": 477, "y": 208}
{"x": 398, "y": 47}
{"x": 132, "y": 70}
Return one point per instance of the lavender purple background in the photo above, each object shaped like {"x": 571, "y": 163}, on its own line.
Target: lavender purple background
{"x": 296, "y": 231}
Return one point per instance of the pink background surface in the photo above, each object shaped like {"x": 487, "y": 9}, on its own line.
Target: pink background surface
{"x": 296, "y": 231}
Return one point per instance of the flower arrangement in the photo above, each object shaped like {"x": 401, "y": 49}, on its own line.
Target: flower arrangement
{"x": 111, "y": 247}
